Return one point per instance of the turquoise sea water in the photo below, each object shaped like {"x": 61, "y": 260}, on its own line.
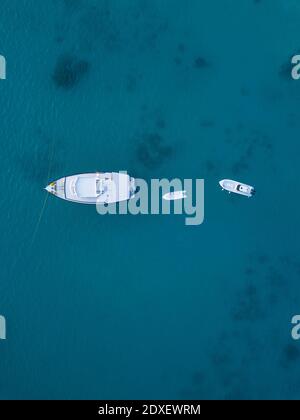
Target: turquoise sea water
{"x": 137, "y": 307}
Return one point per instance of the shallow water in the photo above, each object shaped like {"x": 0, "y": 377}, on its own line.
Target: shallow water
{"x": 146, "y": 307}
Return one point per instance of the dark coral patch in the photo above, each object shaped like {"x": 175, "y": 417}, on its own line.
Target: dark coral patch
{"x": 160, "y": 123}
{"x": 177, "y": 61}
{"x": 152, "y": 152}
{"x": 220, "y": 358}
{"x": 249, "y": 271}
{"x": 69, "y": 71}
{"x": 198, "y": 378}
{"x": 285, "y": 72}
{"x": 249, "y": 306}
{"x": 131, "y": 83}
{"x": 181, "y": 48}
{"x": 275, "y": 278}
{"x": 263, "y": 259}
{"x": 239, "y": 167}
{"x": 291, "y": 354}
{"x": 43, "y": 161}
{"x": 207, "y": 124}
{"x": 210, "y": 166}
{"x": 200, "y": 63}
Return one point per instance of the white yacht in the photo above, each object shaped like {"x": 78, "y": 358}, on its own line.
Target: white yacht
{"x": 94, "y": 188}
{"x": 237, "y": 187}
{"x": 175, "y": 195}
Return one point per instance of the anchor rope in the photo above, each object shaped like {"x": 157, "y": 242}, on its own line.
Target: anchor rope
{"x": 46, "y": 198}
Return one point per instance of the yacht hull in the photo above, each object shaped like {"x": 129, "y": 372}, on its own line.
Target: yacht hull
{"x": 94, "y": 188}
{"x": 237, "y": 187}
{"x": 175, "y": 195}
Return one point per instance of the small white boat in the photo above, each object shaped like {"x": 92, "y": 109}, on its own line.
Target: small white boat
{"x": 94, "y": 188}
{"x": 237, "y": 187}
{"x": 174, "y": 195}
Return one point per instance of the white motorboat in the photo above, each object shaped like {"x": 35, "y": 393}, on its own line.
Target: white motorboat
{"x": 94, "y": 188}
{"x": 237, "y": 187}
{"x": 174, "y": 195}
